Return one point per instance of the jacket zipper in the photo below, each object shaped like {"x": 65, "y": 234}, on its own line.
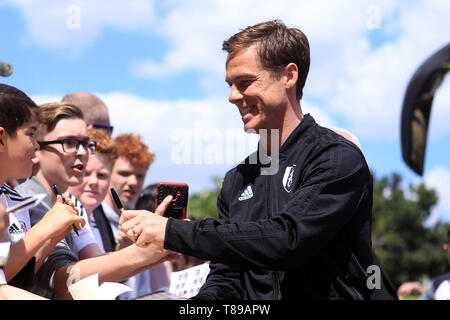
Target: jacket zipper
{"x": 276, "y": 284}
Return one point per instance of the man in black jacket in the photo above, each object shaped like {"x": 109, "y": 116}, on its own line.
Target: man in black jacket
{"x": 295, "y": 216}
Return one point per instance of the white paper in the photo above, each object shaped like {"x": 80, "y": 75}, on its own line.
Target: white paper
{"x": 88, "y": 289}
{"x": 110, "y": 290}
{"x": 186, "y": 283}
{"x": 4, "y": 252}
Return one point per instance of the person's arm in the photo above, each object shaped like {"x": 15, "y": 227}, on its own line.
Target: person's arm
{"x": 12, "y": 293}
{"x": 122, "y": 240}
{"x": 116, "y": 266}
{"x": 222, "y": 283}
{"x": 4, "y": 220}
{"x": 90, "y": 251}
{"x": 40, "y": 240}
{"x": 330, "y": 194}
{"x": 428, "y": 293}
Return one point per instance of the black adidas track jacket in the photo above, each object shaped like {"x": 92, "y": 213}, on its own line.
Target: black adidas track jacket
{"x": 302, "y": 233}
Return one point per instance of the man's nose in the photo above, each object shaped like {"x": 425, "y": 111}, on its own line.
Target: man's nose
{"x": 82, "y": 150}
{"x": 36, "y": 146}
{"x": 132, "y": 180}
{"x": 93, "y": 180}
{"x": 235, "y": 95}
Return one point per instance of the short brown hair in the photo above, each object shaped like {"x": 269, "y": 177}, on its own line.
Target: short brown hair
{"x": 132, "y": 148}
{"x": 104, "y": 144}
{"x": 16, "y": 109}
{"x": 277, "y": 46}
{"x": 51, "y": 113}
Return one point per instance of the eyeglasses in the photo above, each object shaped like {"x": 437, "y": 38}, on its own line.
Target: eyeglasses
{"x": 72, "y": 145}
{"x": 104, "y": 127}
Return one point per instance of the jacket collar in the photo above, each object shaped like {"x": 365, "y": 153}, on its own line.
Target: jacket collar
{"x": 301, "y": 129}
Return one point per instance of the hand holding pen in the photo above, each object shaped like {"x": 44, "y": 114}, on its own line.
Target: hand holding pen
{"x": 58, "y": 193}
{"x": 121, "y": 238}
{"x": 60, "y": 220}
{"x": 117, "y": 200}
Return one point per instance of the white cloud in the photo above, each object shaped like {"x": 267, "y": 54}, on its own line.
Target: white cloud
{"x": 41, "y": 99}
{"x": 212, "y": 129}
{"x": 440, "y": 113}
{"x": 196, "y": 29}
{"x": 77, "y": 24}
{"x": 148, "y": 69}
{"x": 350, "y": 82}
{"x": 200, "y": 118}
{"x": 372, "y": 86}
{"x": 360, "y": 84}
{"x": 438, "y": 178}
{"x": 209, "y": 132}
{"x": 193, "y": 139}
{"x": 371, "y": 94}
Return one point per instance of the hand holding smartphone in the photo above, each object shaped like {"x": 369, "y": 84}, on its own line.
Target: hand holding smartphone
{"x": 180, "y": 193}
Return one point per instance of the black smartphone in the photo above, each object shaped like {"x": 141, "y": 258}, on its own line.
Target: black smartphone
{"x": 180, "y": 193}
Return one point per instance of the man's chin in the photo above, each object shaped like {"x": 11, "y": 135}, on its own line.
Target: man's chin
{"x": 248, "y": 128}
{"x": 126, "y": 202}
{"x": 251, "y": 129}
{"x": 74, "y": 181}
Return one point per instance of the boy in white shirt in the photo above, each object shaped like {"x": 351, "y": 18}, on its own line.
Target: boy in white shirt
{"x": 29, "y": 246}
{"x": 65, "y": 148}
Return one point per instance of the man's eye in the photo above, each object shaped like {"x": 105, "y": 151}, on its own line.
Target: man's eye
{"x": 244, "y": 84}
{"x": 102, "y": 176}
{"x": 70, "y": 142}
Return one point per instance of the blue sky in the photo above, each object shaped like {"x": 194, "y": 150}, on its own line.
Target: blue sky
{"x": 158, "y": 66}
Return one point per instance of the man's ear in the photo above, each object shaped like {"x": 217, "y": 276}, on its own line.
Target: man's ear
{"x": 291, "y": 75}
{"x": 35, "y": 167}
{"x": 3, "y": 136}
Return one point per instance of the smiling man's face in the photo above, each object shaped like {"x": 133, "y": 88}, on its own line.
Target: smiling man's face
{"x": 259, "y": 94}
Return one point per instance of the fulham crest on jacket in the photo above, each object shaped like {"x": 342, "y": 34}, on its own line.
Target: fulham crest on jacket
{"x": 288, "y": 178}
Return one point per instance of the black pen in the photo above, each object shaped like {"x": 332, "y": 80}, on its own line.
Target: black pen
{"x": 116, "y": 199}
{"x": 58, "y": 192}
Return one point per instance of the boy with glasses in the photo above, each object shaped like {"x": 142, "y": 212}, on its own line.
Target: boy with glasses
{"x": 71, "y": 145}
{"x": 61, "y": 159}
{"x": 30, "y": 245}
{"x": 65, "y": 149}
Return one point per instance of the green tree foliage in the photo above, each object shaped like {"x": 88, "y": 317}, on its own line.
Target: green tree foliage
{"x": 204, "y": 204}
{"x": 407, "y": 249}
